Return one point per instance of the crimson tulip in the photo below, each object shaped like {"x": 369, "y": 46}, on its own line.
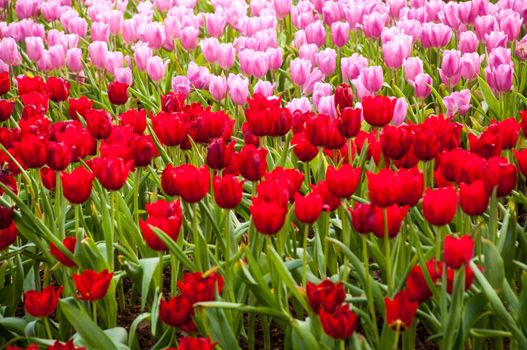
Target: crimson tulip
{"x": 322, "y": 131}
{"x": 134, "y": 118}
{"x": 400, "y": 311}
{"x": 167, "y": 217}
{"x": 396, "y": 141}
{"x": 331, "y": 202}
{"x": 340, "y": 324}
{"x": 473, "y": 198}
{"x": 290, "y": 179}
{"x": 308, "y": 207}
{"x": 5, "y": 83}
{"x": 458, "y": 251}
{"x": 177, "y": 311}
{"x": 426, "y": 144}
{"x": 58, "y": 89}
{"x": 6, "y": 217}
{"x": 268, "y": 217}
{"x": 8, "y": 236}
{"x": 69, "y": 345}
{"x": 98, "y": 123}
{"x": 117, "y": 93}
{"x": 6, "y": 109}
{"x": 92, "y": 285}
{"x": 265, "y": 116}
{"x": 343, "y": 182}
{"x": 32, "y": 150}
{"x": 43, "y": 303}
{"x": 378, "y": 110}
{"x": 508, "y": 129}
{"x": 112, "y": 172}
{"x": 383, "y": 187}
{"x": 79, "y": 106}
{"x": 343, "y": 98}
{"x": 416, "y": 286}
{"x": 172, "y": 102}
{"x": 60, "y": 155}
{"x": 69, "y": 242}
{"x": 439, "y": 205}
{"x": 326, "y": 296}
{"x": 199, "y": 287}
{"x": 48, "y": 177}
{"x": 349, "y": 122}
{"x": 227, "y": 191}
{"x": 499, "y": 174}
{"x": 487, "y": 145}
{"x": 387, "y": 220}
{"x": 252, "y": 162}
{"x": 187, "y": 181}
{"x": 77, "y": 185}
{"x": 199, "y": 343}
{"x": 302, "y": 148}
{"x": 170, "y": 128}
{"x": 27, "y": 84}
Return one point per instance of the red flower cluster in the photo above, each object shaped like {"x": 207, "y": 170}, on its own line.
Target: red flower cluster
{"x": 266, "y": 117}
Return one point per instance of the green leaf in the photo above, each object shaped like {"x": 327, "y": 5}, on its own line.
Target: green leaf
{"x": 302, "y": 336}
{"x": 489, "y": 97}
{"x": 91, "y": 334}
{"x": 494, "y": 271}
{"x": 148, "y": 267}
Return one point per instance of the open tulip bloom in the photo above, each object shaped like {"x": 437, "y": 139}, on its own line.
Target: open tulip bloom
{"x": 268, "y": 174}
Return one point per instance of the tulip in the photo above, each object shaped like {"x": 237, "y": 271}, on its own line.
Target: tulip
{"x": 426, "y": 144}
{"x": 6, "y": 109}
{"x": 484, "y": 25}
{"x": 439, "y": 205}
{"x": 341, "y": 324}
{"x": 308, "y": 207}
{"x": 450, "y": 71}
{"x": 155, "y": 68}
{"x": 374, "y": 24}
{"x": 165, "y": 216}
{"x": 59, "y": 155}
{"x": 340, "y": 33}
{"x": 32, "y": 150}
{"x": 77, "y": 185}
{"x": 412, "y": 67}
{"x": 351, "y": 66}
{"x": 299, "y": 69}
{"x": 98, "y": 51}
{"x": 252, "y": 162}
{"x": 227, "y": 191}
{"x": 117, "y": 93}
{"x": 91, "y": 285}
{"x": 5, "y": 83}
{"x": 9, "y": 53}
{"x": 187, "y": 181}
{"x": 396, "y": 51}
{"x": 238, "y": 88}
{"x": 303, "y": 149}
{"x": 112, "y": 172}
{"x": 499, "y": 175}
{"x": 69, "y": 242}
{"x": 499, "y": 78}
{"x": 400, "y": 311}
{"x": 34, "y": 48}
{"x": 457, "y": 102}
{"x": 468, "y": 42}
{"x": 343, "y": 182}
{"x": 78, "y": 107}
{"x": 268, "y": 217}
{"x": 48, "y": 178}
{"x": 176, "y": 312}
{"x": 378, "y": 110}
{"x": 458, "y": 251}
{"x": 215, "y": 24}
{"x": 43, "y": 303}
{"x": 435, "y": 35}
{"x": 58, "y": 89}
{"x": 190, "y": 343}
{"x": 422, "y": 85}
{"x": 98, "y": 123}
{"x": 74, "y": 60}
{"x": 6, "y": 217}
{"x": 325, "y": 296}
{"x": 416, "y": 286}
{"x": 135, "y": 119}
{"x": 8, "y": 236}
{"x": 199, "y": 287}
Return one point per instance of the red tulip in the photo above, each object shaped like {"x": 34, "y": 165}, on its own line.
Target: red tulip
{"x": 32, "y": 150}
{"x": 227, "y": 191}
{"x": 458, "y": 251}
{"x": 112, "y": 172}
{"x": 322, "y": 131}
{"x": 523, "y": 122}
{"x": 268, "y": 217}
{"x": 521, "y": 158}
{"x": 396, "y": 141}
{"x": 170, "y": 128}
{"x": 487, "y": 145}
{"x": 6, "y": 109}
{"x": 200, "y": 343}
{"x": 99, "y": 123}
{"x": 308, "y": 207}
{"x": 199, "y": 287}
{"x": 499, "y": 174}
{"x": 219, "y": 154}
{"x": 27, "y": 84}
{"x": 304, "y": 150}
{"x": 473, "y": 198}
{"x": 362, "y": 217}
{"x": 69, "y": 345}
{"x": 92, "y": 285}
{"x": 383, "y": 187}
{"x": 58, "y": 89}
{"x": 378, "y": 110}
{"x": 416, "y": 286}
{"x": 35, "y": 104}
{"x": 331, "y": 202}
{"x": 49, "y": 178}
{"x": 341, "y": 324}
{"x": 343, "y": 98}
{"x": 450, "y": 274}
{"x": 78, "y": 107}
{"x": 69, "y": 242}
{"x": 186, "y": 181}
{"x": 59, "y": 155}
{"x": 77, "y": 185}
{"x": 5, "y": 83}
{"x": 167, "y": 217}
{"x": 325, "y": 296}
{"x": 400, "y": 311}
{"x": 265, "y": 116}
{"x": 388, "y": 220}
{"x": 144, "y": 151}
{"x": 410, "y": 186}
{"x": 177, "y": 311}
{"x": 426, "y": 144}
{"x": 343, "y": 182}
{"x": 349, "y": 122}
{"x": 439, "y": 205}
{"x": 117, "y": 93}
{"x": 508, "y": 129}
{"x": 206, "y": 125}
{"x": 44, "y": 303}
{"x": 290, "y": 179}
{"x": 134, "y": 118}
{"x": 6, "y": 217}
{"x": 172, "y": 102}
{"x": 252, "y": 162}
{"x": 8, "y": 236}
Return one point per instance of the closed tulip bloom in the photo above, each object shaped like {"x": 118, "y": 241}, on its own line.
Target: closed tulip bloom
{"x": 252, "y": 162}
{"x": 77, "y": 185}
{"x": 468, "y": 42}
{"x": 374, "y": 24}
{"x": 74, "y": 60}
{"x": 177, "y": 311}
{"x": 92, "y": 285}
{"x": 326, "y": 61}
{"x": 98, "y": 123}
{"x": 315, "y": 33}
{"x": 326, "y": 296}
{"x": 439, "y": 205}
{"x": 458, "y": 251}
{"x": 187, "y": 181}
{"x": 69, "y": 242}
{"x": 349, "y": 122}
{"x": 165, "y": 216}
{"x": 98, "y": 51}
{"x": 48, "y": 178}
{"x": 470, "y": 65}
{"x": 32, "y": 150}
{"x": 227, "y": 191}
{"x": 343, "y": 182}
{"x": 238, "y": 88}
{"x": 521, "y": 159}
{"x": 400, "y": 311}
{"x": 268, "y": 217}
{"x": 6, "y": 109}
{"x": 117, "y": 93}
{"x": 416, "y": 286}
{"x": 499, "y": 175}
{"x": 78, "y": 107}
{"x": 457, "y": 102}
{"x": 303, "y": 149}
{"x": 299, "y": 69}
{"x": 34, "y": 48}
{"x": 412, "y": 67}
{"x": 6, "y": 217}
{"x": 500, "y": 78}
{"x": 422, "y": 85}
{"x": 9, "y": 53}
{"x": 396, "y": 51}
{"x": 308, "y": 207}
{"x": 396, "y": 141}
{"x": 58, "y": 89}
{"x": 43, "y": 303}
{"x": 340, "y": 33}
{"x": 390, "y": 226}
{"x": 371, "y": 78}
{"x": 189, "y": 38}
{"x": 112, "y": 172}
{"x": 5, "y": 83}
{"x": 8, "y": 236}
{"x": 59, "y": 155}
{"x": 350, "y": 67}
{"x": 378, "y": 110}
{"x": 341, "y": 324}
{"x": 435, "y": 35}
{"x": 170, "y": 128}
{"x": 155, "y": 68}
{"x": 215, "y": 24}
{"x": 450, "y": 71}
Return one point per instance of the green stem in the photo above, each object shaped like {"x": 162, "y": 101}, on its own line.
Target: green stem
{"x": 48, "y": 328}
{"x": 387, "y": 252}
{"x": 304, "y": 255}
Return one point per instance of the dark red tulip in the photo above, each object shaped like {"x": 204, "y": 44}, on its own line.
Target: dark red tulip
{"x": 187, "y": 181}
{"x": 248, "y": 137}
{"x": 59, "y": 155}
{"x": 144, "y": 151}
{"x": 206, "y": 125}
{"x": 8, "y": 236}
{"x": 69, "y": 345}
{"x": 134, "y": 118}
{"x": 200, "y": 343}
{"x": 341, "y": 324}
{"x": 416, "y": 286}
{"x": 410, "y": 186}
{"x": 167, "y": 217}
{"x": 378, "y": 110}
{"x": 27, "y": 84}
{"x": 447, "y": 131}
{"x": 331, "y": 202}
{"x": 99, "y": 123}
{"x": 228, "y": 191}
{"x": 266, "y": 117}
{"x": 308, "y": 207}
{"x": 343, "y": 98}
{"x": 176, "y": 311}
{"x": 58, "y": 89}
{"x": 387, "y": 221}
{"x": 499, "y": 174}
{"x": 170, "y": 128}
{"x": 439, "y": 205}
{"x": 43, "y": 303}
{"x": 322, "y": 131}
{"x": 92, "y": 285}
{"x": 349, "y": 122}
{"x": 487, "y": 145}
{"x": 343, "y": 182}
{"x": 172, "y": 102}
{"x": 383, "y": 188}
{"x": 6, "y": 109}
{"x": 219, "y": 154}
{"x": 117, "y": 93}
{"x": 458, "y": 251}
{"x": 49, "y": 178}
{"x": 426, "y": 144}
{"x": 252, "y": 162}
{"x": 508, "y": 129}
{"x": 112, "y": 172}
{"x": 400, "y": 311}
{"x": 69, "y": 242}
{"x": 6, "y": 217}
{"x": 5, "y": 83}
{"x": 268, "y": 217}
{"x": 79, "y": 106}
{"x": 35, "y": 104}
{"x": 32, "y": 150}
{"x": 304, "y": 150}
{"x": 199, "y": 287}
{"x": 362, "y": 217}
{"x": 450, "y": 274}
{"x": 325, "y": 296}
{"x": 396, "y": 141}
{"x": 473, "y": 198}
{"x": 290, "y": 179}
{"x": 77, "y": 185}
{"x": 273, "y": 191}
{"x": 521, "y": 159}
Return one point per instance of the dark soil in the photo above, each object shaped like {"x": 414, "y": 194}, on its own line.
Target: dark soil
{"x": 276, "y": 334}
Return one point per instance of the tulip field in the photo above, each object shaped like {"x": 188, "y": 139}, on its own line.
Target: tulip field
{"x": 263, "y": 174}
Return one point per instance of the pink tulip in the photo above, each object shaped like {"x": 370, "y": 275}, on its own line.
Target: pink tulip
{"x": 130, "y": 31}
{"x": 238, "y": 88}
{"x": 114, "y": 60}
{"x": 400, "y": 111}
{"x": 141, "y": 55}
{"x": 274, "y": 57}
{"x": 422, "y": 85}
{"x": 282, "y": 7}
{"x": 189, "y": 38}
{"x": 495, "y": 39}
{"x": 34, "y": 47}
{"x": 327, "y": 106}
{"x": 198, "y": 76}
{"x": 330, "y": 12}
{"x": 412, "y": 67}
{"x": 374, "y": 24}
{"x": 499, "y": 78}
{"x": 98, "y": 50}
{"x": 74, "y": 60}
{"x": 340, "y": 33}
{"x": 9, "y": 52}
{"x": 299, "y": 69}
{"x": 155, "y": 68}
{"x": 484, "y": 25}
{"x": 301, "y": 104}
{"x": 394, "y": 52}
{"x": 314, "y": 77}
{"x": 264, "y": 87}
{"x": 215, "y": 23}
{"x": 123, "y": 75}
{"x": 435, "y": 35}
{"x": 450, "y": 15}
{"x": 27, "y": 8}
{"x": 457, "y": 102}
{"x": 395, "y": 7}
{"x": 371, "y": 78}
{"x": 308, "y": 52}
{"x": 321, "y": 90}
{"x": 468, "y": 42}
{"x": 172, "y": 28}
{"x": 181, "y": 84}
{"x": 510, "y": 24}
{"x": 470, "y": 64}
{"x": 209, "y": 48}
{"x": 316, "y": 33}
{"x": 225, "y": 55}
{"x": 218, "y": 87}
{"x": 450, "y": 71}
{"x": 326, "y": 61}
{"x": 351, "y": 66}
